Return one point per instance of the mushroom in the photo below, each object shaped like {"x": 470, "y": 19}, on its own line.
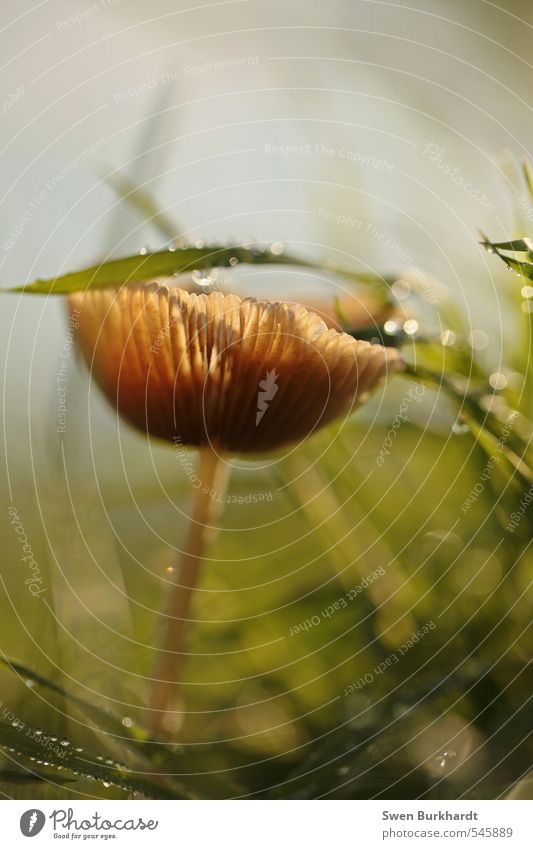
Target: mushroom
{"x": 228, "y": 376}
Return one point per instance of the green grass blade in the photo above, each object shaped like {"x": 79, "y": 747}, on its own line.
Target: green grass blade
{"x": 173, "y": 261}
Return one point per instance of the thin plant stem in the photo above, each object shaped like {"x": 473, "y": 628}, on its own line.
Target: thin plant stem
{"x": 165, "y": 695}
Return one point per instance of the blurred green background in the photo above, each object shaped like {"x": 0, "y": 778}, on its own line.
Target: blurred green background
{"x": 381, "y": 137}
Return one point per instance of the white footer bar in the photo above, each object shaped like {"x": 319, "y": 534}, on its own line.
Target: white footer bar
{"x": 268, "y": 825}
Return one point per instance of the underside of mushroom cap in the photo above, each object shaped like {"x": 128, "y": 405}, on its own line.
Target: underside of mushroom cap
{"x": 245, "y": 376}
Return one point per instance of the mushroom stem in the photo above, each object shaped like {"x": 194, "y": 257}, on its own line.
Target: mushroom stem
{"x": 213, "y": 476}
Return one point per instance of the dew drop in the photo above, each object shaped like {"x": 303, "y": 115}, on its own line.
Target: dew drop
{"x": 498, "y": 380}
{"x": 65, "y": 742}
{"x": 127, "y": 721}
{"x": 276, "y": 248}
{"x": 106, "y": 783}
{"x": 233, "y": 261}
{"x": 199, "y": 244}
{"x": 143, "y": 251}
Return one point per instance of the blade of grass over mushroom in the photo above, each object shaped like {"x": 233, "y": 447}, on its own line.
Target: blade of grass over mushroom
{"x": 168, "y": 263}
{"x": 83, "y": 764}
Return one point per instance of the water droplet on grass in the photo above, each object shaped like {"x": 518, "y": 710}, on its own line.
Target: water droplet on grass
{"x": 204, "y": 278}
{"x": 447, "y": 337}
{"x": 411, "y": 327}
